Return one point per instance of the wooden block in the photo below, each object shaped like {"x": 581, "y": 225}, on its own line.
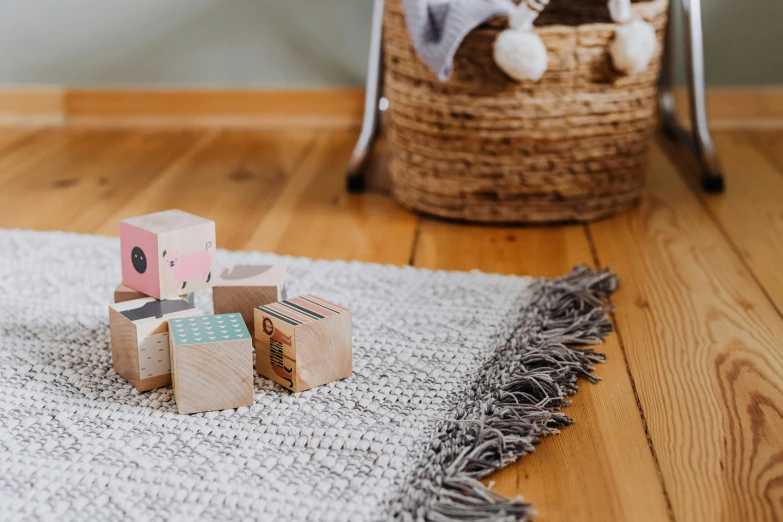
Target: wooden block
{"x": 242, "y": 288}
{"x": 140, "y": 339}
{"x": 125, "y": 293}
{"x": 303, "y": 342}
{"x": 167, "y": 253}
{"x": 211, "y": 363}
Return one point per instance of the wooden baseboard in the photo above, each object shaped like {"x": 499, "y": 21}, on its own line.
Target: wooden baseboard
{"x": 264, "y": 108}
{"x": 739, "y": 109}
{"x": 752, "y": 108}
{"x": 35, "y": 106}
{"x": 331, "y": 108}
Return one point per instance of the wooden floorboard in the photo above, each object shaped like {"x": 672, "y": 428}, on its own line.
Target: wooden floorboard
{"x": 22, "y": 157}
{"x": 11, "y": 136}
{"x": 50, "y": 182}
{"x": 751, "y": 211}
{"x": 768, "y": 143}
{"x": 314, "y": 217}
{"x": 704, "y": 347}
{"x": 601, "y": 467}
{"x": 230, "y": 176}
{"x": 698, "y": 329}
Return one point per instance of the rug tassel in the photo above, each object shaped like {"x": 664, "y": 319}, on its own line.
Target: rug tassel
{"x": 515, "y": 401}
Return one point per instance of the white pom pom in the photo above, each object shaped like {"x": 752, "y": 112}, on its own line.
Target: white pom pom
{"x": 521, "y": 54}
{"x": 633, "y": 47}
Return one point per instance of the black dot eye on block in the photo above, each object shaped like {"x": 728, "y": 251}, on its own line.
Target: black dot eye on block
{"x": 139, "y": 260}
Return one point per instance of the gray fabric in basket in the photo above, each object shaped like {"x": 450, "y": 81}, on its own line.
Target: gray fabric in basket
{"x": 437, "y": 27}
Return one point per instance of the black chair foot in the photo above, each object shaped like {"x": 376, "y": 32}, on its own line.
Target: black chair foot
{"x": 354, "y": 183}
{"x": 713, "y": 183}
{"x": 671, "y": 132}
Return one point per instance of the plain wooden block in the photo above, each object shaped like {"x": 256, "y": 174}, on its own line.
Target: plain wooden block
{"x": 140, "y": 339}
{"x": 303, "y": 342}
{"x": 242, "y": 288}
{"x": 167, "y": 253}
{"x": 211, "y": 363}
{"x": 125, "y": 293}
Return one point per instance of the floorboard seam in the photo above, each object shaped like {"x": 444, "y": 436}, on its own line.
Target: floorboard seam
{"x": 307, "y": 149}
{"x": 621, "y": 342}
{"x": 415, "y": 243}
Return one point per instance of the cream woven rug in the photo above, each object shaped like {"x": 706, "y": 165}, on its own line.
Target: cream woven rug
{"x": 455, "y": 375}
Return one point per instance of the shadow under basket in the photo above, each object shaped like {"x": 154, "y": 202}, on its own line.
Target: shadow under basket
{"x": 484, "y": 148}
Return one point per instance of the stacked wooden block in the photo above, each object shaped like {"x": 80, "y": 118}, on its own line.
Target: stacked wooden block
{"x": 140, "y": 339}
{"x": 159, "y": 337}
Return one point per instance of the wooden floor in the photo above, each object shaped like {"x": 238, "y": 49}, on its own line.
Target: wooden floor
{"x": 687, "y": 424}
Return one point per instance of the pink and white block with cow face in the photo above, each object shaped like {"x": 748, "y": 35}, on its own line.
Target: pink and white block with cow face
{"x": 167, "y": 253}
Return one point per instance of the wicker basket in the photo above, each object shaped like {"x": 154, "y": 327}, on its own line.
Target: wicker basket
{"x": 484, "y": 148}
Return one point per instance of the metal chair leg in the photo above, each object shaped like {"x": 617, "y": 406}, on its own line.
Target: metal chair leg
{"x": 372, "y": 99}
{"x": 668, "y": 107}
{"x": 699, "y": 140}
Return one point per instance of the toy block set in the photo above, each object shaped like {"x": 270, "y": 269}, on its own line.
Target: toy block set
{"x": 159, "y": 337}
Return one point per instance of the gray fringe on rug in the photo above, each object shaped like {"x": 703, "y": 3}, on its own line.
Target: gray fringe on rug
{"x": 513, "y": 402}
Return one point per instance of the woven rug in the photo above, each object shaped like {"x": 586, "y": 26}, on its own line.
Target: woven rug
{"x": 455, "y": 376}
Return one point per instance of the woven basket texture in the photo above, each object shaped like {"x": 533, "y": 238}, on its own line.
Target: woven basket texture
{"x": 484, "y": 148}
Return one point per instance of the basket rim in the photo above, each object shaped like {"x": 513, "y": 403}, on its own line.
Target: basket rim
{"x": 646, "y": 9}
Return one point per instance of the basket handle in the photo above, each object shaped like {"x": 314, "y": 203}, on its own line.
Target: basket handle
{"x": 620, "y": 10}
{"x": 525, "y": 14}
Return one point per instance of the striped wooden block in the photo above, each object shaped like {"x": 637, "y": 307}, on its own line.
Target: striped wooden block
{"x": 303, "y": 342}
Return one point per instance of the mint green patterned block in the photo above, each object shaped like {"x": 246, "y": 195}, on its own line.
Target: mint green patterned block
{"x": 207, "y": 329}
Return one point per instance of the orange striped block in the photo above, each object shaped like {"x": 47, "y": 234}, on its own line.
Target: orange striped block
{"x": 303, "y": 342}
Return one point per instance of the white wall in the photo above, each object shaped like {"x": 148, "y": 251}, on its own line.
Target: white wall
{"x": 278, "y": 43}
